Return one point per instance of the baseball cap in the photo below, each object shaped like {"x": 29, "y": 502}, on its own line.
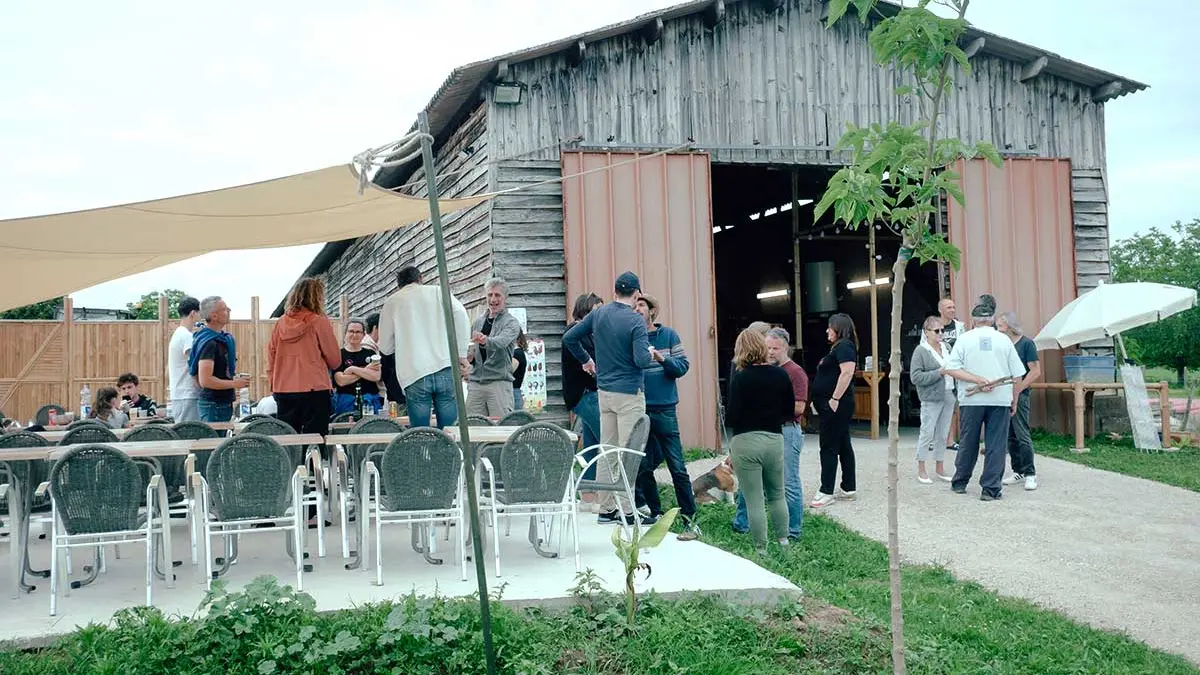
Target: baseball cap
{"x": 627, "y": 283}
{"x": 650, "y": 301}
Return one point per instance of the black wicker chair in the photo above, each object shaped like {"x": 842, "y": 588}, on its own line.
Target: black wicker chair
{"x": 31, "y": 474}
{"x": 88, "y": 433}
{"x": 43, "y": 414}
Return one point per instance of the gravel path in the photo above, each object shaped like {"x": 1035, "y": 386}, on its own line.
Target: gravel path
{"x": 1115, "y": 552}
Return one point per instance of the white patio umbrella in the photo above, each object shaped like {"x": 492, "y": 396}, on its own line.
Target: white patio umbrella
{"x": 1110, "y": 309}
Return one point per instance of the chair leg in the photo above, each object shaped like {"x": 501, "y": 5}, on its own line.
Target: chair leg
{"x": 496, "y": 538}
{"x": 150, "y": 555}
{"x": 575, "y": 533}
{"x": 343, "y": 520}
{"x": 299, "y": 528}
{"x": 55, "y": 569}
{"x": 462, "y": 540}
{"x": 378, "y": 550}
{"x": 320, "y": 522}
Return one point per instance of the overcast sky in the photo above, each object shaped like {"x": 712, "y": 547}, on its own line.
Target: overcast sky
{"x": 114, "y": 102}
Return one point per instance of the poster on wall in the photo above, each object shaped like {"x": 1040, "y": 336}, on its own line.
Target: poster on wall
{"x": 533, "y": 389}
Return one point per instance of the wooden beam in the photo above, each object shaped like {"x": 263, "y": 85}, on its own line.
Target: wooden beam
{"x": 653, "y": 31}
{"x": 164, "y": 340}
{"x": 714, "y": 13}
{"x": 256, "y": 353}
{"x": 575, "y": 53}
{"x": 1034, "y": 68}
{"x": 501, "y": 71}
{"x": 974, "y": 46}
{"x": 1109, "y": 91}
{"x": 69, "y": 348}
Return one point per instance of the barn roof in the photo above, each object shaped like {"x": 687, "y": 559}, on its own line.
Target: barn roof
{"x": 460, "y": 91}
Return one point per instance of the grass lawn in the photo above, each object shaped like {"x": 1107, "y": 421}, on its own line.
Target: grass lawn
{"x": 1191, "y": 378}
{"x": 1180, "y": 468}
{"x": 950, "y": 626}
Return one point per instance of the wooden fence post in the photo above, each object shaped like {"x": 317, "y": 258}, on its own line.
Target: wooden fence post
{"x": 256, "y": 345}
{"x": 164, "y": 340}
{"x": 68, "y": 323}
{"x": 343, "y": 317}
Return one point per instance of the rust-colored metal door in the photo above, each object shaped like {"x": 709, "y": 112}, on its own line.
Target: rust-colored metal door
{"x": 1017, "y": 239}
{"x": 652, "y": 215}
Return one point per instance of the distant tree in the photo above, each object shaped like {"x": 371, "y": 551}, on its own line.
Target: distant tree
{"x": 1165, "y": 258}
{"x": 146, "y": 309}
{"x": 44, "y": 310}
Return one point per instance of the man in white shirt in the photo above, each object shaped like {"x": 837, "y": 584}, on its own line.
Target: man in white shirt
{"x": 185, "y": 391}
{"x": 413, "y": 328}
{"x": 981, "y": 357}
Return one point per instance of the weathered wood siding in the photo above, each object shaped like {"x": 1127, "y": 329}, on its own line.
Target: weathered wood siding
{"x": 365, "y": 272}
{"x": 1089, "y": 197}
{"x": 776, "y": 79}
{"x": 527, "y": 251}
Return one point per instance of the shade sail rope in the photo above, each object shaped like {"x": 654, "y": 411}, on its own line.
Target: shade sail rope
{"x": 397, "y": 153}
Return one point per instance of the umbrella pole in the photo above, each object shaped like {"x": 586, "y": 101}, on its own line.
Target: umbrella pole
{"x": 1121, "y": 342}
{"x": 435, "y": 217}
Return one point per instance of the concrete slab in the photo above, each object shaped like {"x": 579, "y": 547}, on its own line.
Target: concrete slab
{"x": 527, "y": 578}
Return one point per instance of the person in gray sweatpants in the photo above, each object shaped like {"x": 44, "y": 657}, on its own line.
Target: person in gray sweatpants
{"x": 983, "y": 357}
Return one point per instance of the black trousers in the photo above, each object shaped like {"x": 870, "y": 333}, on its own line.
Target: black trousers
{"x": 307, "y": 412}
{"x": 834, "y": 437}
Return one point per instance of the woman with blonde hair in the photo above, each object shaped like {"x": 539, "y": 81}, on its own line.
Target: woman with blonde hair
{"x": 300, "y": 355}
{"x": 761, "y": 401}
{"x": 106, "y": 410}
{"x": 927, "y": 371}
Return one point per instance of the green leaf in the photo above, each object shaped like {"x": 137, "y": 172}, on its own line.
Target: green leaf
{"x": 659, "y": 530}
{"x": 990, "y": 153}
{"x": 266, "y": 667}
{"x": 837, "y": 9}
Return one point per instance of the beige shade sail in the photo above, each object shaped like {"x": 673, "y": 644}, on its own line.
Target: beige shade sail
{"x": 45, "y": 257}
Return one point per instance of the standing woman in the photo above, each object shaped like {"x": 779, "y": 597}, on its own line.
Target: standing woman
{"x": 833, "y": 397}
{"x": 760, "y": 403}
{"x": 519, "y": 363}
{"x": 578, "y": 387}
{"x": 936, "y": 391}
{"x": 302, "y": 352}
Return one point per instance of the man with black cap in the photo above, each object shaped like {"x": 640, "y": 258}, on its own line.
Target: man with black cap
{"x": 986, "y": 358}
{"x": 622, "y": 356}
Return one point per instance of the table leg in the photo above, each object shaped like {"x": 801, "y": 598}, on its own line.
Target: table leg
{"x": 1080, "y": 409}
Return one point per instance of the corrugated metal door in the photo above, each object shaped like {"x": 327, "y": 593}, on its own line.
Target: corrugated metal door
{"x": 1017, "y": 240}
{"x": 652, "y": 215}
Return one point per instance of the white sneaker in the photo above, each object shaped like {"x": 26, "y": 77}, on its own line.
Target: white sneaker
{"x": 644, "y": 510}
{"x": 822, "y": 500}
{"x": 847, "y": 496}
{"x": 1015, "y": 478}
{"x": 1031, "y": 483}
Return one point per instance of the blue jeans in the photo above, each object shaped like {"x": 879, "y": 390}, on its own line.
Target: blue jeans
{"x": 588, "y": 412}
{"x": 793, "y": 491}
{"x": 664, "y": 444}
{"x": 344, "y": 403}
{"x": 432, "y": 394}
{"x": 518, "y": 400}
{"x": 215, "y": 412}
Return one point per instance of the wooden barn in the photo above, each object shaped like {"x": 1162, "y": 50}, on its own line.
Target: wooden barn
{"x": 690, "y": 144}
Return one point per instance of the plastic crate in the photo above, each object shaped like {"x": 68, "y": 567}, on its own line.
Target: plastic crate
{"x": 1090, "y": 368}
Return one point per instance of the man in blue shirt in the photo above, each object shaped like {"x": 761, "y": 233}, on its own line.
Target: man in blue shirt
{"x": 622, "y": 354}
{"x": 662, "y": 398}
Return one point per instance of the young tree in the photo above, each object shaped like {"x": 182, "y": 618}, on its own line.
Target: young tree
{"x": 146, "y": 309}
{"x": 1159, "y": 257}
{"x": 45, "y": 310}
{"x": 896, "y": 176}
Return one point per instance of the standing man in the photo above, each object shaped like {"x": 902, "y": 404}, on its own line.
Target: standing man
{"x": 490, "y": 385}
{"x": 412, "y": 320}
{"x": 213, "y": 362}
{"x": 981, "y": 357}
{"x": 622, "y": 356}
{"x": 371, "y": 339}
{"x": 951, "y": 329}
{"x": 670, "y": 363}
{"x": 1020, "y": 440}
{"x": 184, "y": 390}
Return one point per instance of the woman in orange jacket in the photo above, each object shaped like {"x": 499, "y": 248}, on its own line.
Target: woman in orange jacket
{"x": 302, "y": 352}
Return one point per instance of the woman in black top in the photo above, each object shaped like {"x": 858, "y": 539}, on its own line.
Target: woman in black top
{"x": 579, "y": 388}
{"x": 761, "y": 401}
{"x": 833, "y": 397}
{"x": 519, "y": 363}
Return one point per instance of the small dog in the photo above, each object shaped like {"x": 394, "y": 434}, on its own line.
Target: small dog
{"x": 717, "y": 485}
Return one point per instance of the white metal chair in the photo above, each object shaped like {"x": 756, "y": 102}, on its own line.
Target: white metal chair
{"x": 537, "y": 463}
{"x": 311, "y": 460}
{"x": 95, "y": 495}
{"x": 350, "y": 462}
{"x": 251, "y": 484}
{"x": 629, "y": 461}
{"x": 422, "y": 473}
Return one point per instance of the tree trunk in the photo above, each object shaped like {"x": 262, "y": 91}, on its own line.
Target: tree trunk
{"x": 1181, "y": 374}
{"x": 895, "y": 363}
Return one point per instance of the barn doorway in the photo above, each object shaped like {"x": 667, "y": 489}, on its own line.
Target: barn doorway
{"x": 773, "y": 263}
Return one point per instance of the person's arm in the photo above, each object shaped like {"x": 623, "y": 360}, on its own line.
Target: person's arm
{"x": 733, "y": 411}
{"x": 504, "y": 334}
{"x": 387, "y": 331}
{"x": 206, "y": 378}
{"x": 346, "y": 377}
{"x": 573, "y": 340}
{"x": 847, "y": 364}
{"x": 675, "y": 363}
{"x": 272, "y": 346}
{"x": 641, "y": 346}
{"x": 800, "y": 394}
{"x": 956, "y": 366}
{"x": 327, "y": 342}
{"x": 1034, "y": 372}
{"x": 919, "y": 372}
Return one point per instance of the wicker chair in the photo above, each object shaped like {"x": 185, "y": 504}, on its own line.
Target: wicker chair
{"x": 173, "y": 470}
{"x": 423, "y": 472}
{"x": 25, "y": 475}
{"x": 516, "y": 418}
{"x": 251, "y": 485}
{"x": 43, "y": 414}
{"x": 87, "y": 421}
{"x": 271, "y": 426}
{"x": 96, "y": 492}
{"x": 255, "y": 417}
{"x": 197, "y": 461}
{"x": 628, "y": 464}
{"x": 351, "y": 489}
{"x": 342, "y": 418}
{"x": 88, "y": 433}
{"x": 479, "y": 421}
{"x": 538, "y": 464}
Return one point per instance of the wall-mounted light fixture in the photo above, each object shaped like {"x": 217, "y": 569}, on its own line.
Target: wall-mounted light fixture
{"x": 507, "y": 93}
{"x": 865, "y": 283}
{"x": 767, "y": 295}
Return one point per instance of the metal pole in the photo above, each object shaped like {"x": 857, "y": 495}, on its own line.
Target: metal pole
{"x": 435, "y": 217}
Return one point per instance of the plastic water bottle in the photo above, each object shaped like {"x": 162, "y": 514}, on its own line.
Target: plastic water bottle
{"x": 244, "y": 402}
{"x": 85, "y": 402}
